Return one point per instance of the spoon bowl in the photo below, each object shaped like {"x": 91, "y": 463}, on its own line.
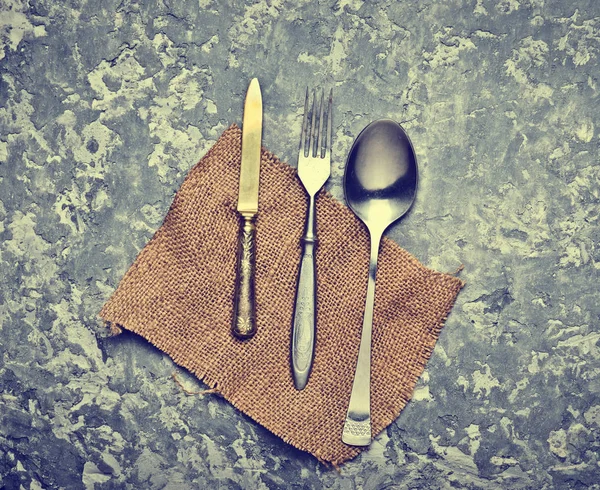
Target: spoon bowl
{"x": 380, "y": 184}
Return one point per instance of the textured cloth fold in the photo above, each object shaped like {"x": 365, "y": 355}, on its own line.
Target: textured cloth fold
{"x": 178, "y": 294}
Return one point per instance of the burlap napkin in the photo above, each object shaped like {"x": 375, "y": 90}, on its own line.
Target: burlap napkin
{"x": 178, "y": 294}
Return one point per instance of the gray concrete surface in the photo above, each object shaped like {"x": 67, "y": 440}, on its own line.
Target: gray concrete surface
{"x": 104, "y": 107}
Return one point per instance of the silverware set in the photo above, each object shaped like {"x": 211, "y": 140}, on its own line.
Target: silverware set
{"x": 380, "y": 184}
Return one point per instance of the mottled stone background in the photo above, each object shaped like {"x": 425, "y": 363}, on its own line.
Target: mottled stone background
{"x": 106, "y": 104}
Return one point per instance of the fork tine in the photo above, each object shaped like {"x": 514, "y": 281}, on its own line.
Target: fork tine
{"x": 320, "y": 135}
{"x": 312, "y": 141}
{"x": 329, "y": 118}
{"x": 304, "y": 125}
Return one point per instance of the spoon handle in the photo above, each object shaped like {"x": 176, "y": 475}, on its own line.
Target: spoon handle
{"x": 357, "y": 428}
{"x": 305, "y": 317}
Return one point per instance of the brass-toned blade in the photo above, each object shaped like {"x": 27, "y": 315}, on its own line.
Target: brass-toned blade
{"x": 251, "y": 142}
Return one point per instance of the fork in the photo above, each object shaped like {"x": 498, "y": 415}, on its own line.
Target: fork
{"x": 314, "y": 168}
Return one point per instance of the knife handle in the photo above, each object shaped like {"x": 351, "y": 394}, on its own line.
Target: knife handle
{"x": 244, "y": 319}
{"x": 305, "y": 314}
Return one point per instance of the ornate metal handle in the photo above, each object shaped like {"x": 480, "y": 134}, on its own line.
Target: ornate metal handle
{"x": 244, "y": 320}
{"x": 303, "y": 337}
{"x": 305, "y": 319}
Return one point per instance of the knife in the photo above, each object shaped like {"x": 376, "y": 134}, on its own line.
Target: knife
{"x": 244, "y": 319}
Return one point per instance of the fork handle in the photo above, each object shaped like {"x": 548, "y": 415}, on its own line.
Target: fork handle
{"x": 305, "y": 317}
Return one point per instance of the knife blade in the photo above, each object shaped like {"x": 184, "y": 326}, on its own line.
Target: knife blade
{"x": 244, "y": 319}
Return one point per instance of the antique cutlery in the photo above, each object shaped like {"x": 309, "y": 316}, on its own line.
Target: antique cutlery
{"x": 244, "y": 320}
{"x": 380, "y": 184}
{"x": 314, "y": 167}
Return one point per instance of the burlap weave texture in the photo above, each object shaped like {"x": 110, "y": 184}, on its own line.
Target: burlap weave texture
{"x": 178, "y": 294}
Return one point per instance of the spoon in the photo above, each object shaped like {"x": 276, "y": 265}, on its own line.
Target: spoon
{"x": 380, "y": 184}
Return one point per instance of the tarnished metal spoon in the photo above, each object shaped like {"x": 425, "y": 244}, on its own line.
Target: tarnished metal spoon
{"x": 380, "y": 184}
